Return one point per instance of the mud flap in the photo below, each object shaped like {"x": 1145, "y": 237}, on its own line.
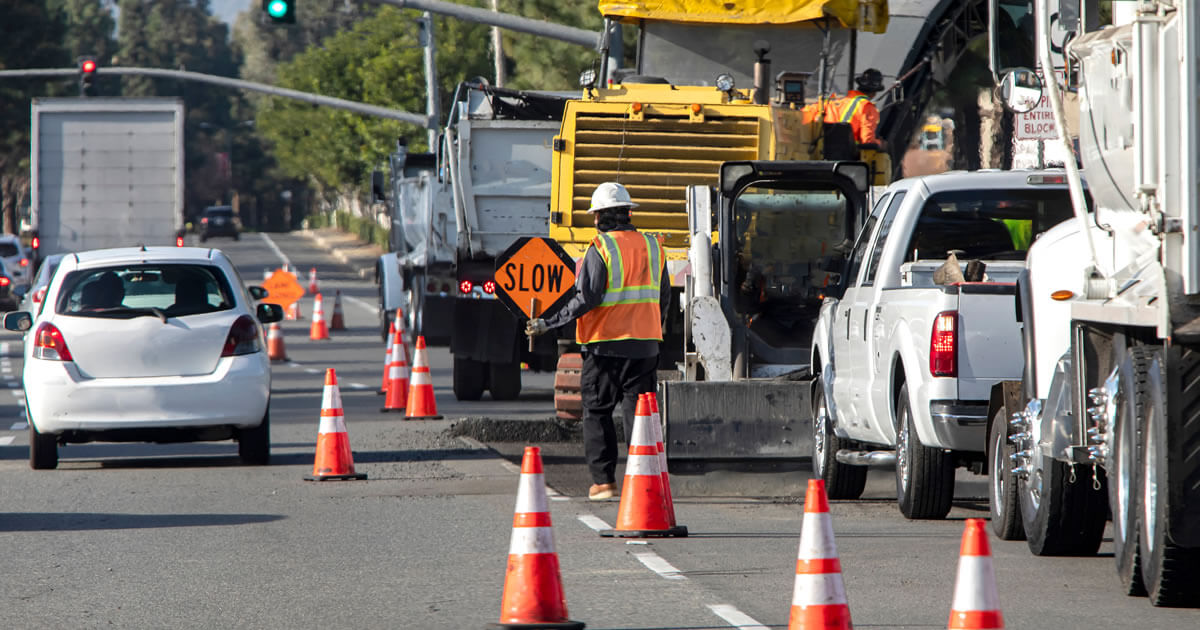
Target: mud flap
{"x": 737, "y": 420}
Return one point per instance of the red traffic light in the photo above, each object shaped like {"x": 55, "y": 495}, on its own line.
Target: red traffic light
{"x": 88, "y": 66}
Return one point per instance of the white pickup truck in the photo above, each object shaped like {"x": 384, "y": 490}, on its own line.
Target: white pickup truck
{"x": 906, "y": 357}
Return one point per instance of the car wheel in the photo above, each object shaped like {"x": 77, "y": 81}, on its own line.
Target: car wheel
{"x": 468, "y": 378}
{"x": 924, "y": 475}
{"x": 504, "y": 380}
{"x": 1003, "y": 501}
{"x": 43, "y": 448}
{"x": 254, "y": 444}
{"x": 842, "y": 481}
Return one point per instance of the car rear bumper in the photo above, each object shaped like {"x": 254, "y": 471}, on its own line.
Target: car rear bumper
{"x": 61, "y": 400}
{"x": 959, "y": 425}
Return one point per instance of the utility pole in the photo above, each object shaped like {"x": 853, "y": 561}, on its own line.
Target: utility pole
{"x": 431, "y": 82}
{"x": 498, "y": 50}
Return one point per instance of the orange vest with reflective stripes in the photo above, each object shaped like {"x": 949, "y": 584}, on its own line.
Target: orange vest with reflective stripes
{"x": 849, "y": 109}
{"x": 630, "y": 309}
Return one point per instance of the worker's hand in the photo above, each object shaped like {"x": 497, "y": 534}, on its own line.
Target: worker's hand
{"x": 536, "y": 326}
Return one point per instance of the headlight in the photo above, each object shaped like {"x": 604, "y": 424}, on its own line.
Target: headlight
{"x": 725, "y": 82}
{"x": 587, "y": 78}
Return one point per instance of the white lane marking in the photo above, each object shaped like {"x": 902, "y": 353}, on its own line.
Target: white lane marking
{"x": 594, "y": 522}
{"x": 358, "y": 386}
{"x": 6, "y": 440}
{"x": 17, "y": 393}
{"x": 275, "y": 248}
{"x": 19, "y": 426}
{"x": 655, "y": 563}
{"x": 293, "y": 364}
{"x": 363, "y": 303}
{"x": 735, "y": 617}
{"x": 4, "y": 345}
{"x": 312, "y": 370}
{"x": 511, "y": 467}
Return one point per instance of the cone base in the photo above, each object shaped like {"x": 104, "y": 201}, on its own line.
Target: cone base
{"x": 354, "y": 476}
{"x": 438, "y": 417}
{"x": 563, "y": 625}
{"x": 679, "y": 531}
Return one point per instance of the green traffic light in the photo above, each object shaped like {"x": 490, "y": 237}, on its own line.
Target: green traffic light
{"x": 277, "y": 8}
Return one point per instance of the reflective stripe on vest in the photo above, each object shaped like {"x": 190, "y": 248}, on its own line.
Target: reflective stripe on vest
{"x": 849, "y": 112}
{"x": 630, "y": 307}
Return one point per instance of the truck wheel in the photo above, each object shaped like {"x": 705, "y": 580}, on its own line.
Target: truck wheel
{"x": 1171, "y": 572}
{"x": 1002, "y": 487}
{"x": 254, "y": 445}
{"x": 1062, "y": 511}
{"x": 469, "y": 378}
{"x": 43, "y": 448}
{"x": 504, "y": 380}
{"x": 842, "y": 481}
{"x": 1123, "y": 469}
{"x": 924, "y": 475}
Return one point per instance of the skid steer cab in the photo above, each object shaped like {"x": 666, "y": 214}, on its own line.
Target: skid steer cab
{"x": 782, "y": 232}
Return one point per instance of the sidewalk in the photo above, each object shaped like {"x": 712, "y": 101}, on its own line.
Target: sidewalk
{"x": 347, "y": 249}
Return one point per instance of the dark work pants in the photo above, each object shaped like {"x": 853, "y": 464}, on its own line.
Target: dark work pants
{"x": 606, "y": 381}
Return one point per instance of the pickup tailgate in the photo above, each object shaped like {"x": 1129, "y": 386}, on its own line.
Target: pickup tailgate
{"x": 989, "y": 345}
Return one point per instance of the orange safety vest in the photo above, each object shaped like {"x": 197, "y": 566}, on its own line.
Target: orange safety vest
{"x": 630, "y": 308}
{"x": 850, "y": 110}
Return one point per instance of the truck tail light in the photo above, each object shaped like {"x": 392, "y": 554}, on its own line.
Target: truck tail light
{"x": 943, "y": 345}
{"x": 242, "y": 339}
{"x": 24, "y": 262}
{"x": 489, "y": 287}
{"x": 48, "y": 344}
{"x": 465, "y": 286}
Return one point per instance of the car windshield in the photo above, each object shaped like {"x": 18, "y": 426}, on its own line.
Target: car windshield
{"x": 162, "y": 290}
{"x": 986, "y": 224}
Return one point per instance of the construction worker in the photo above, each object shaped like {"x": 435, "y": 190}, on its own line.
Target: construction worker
{"x": 619, "y": 306}
{"x": 857, "y": 109}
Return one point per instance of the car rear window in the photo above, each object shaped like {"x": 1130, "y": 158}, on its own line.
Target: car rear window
{"x": 987, "y": 224}
{"x": 163, "y": 290}
{"x": 9, "y": 250}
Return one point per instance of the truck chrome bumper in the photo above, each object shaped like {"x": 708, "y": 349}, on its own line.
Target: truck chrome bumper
{"x": 960, "y": 425}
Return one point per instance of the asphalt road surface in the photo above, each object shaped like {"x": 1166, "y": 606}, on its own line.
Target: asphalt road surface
{"x": 184, "y": 536}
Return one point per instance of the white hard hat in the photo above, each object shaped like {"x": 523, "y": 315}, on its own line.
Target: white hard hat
{"x": 610, "y": 195}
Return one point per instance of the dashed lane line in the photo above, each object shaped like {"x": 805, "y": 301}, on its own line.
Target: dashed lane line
{"x": 594, "y": 522}
{"x": 735, "y": 617}
{"x": 275, "y": 248}
{"x": 19, "y": 426}
{"x": 655, "y": 563}
{"x": 362, "y": 303}
{"x": 6, "y": 440}
{"x": 17, "y": 393}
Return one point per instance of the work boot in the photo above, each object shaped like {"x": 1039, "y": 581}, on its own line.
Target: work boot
{"x": 602, "y": 491}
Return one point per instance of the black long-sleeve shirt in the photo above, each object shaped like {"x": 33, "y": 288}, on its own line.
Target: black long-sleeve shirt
{"x": 590, "y": 284}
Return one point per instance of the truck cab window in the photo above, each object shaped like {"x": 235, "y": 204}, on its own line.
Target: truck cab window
{"x": 991, "y": 224}
{"x": 884, "y": 228}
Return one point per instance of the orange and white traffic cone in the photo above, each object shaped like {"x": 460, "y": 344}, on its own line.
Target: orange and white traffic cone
{"x": 338, "y": 321}
{"x": 643, "y": 509}
{"x": 533, "y": 593}
{"x": 976, "y": 603}
{"x": 334, "y": 460}
{"x": 312, "y": 281}
{"x": 422, "y": 405}
{"x": 275, "y": 347}
{"x": 819, "y": 598}
{"x": 318, "y": 331}
{"x": 387, "y": 358}
{"x": 267, "y": 273}
{"x": 397, "y": 384}
{"x": 656, "y": 424}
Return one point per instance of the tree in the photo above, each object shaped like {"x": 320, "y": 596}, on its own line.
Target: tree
{"x": 537, "y": 63}
{"x": 89, "y": 28}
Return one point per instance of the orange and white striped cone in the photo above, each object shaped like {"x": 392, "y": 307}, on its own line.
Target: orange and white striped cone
{"x": 338, "y": 321}
{"x": 275, "y": 348}
{"x": 422, "y": 405}
{"x": 976, "y": 602}
{"x": 397, "y": 386}
{"x": 643, "y": 509}
{"x": 334, "y": 461}
{"x": 312, "y": 281}
{"x": 318, "y": 331}
{"x": 387, "y": 358}
{"x": 293, "y": 311}
{"x": 819, "y": 598}
{"x": 267, "y": 273}
{"x": 656, "y": 423}
{"x": 533, "y": 594}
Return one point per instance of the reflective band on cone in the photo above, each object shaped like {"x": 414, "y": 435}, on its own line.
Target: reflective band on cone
{"x": 275, "y": 348}
{"x": 643, "y": 509}
{"x": 533, "y": 593}
{"x": 421, "y": 402}
{"x": 319, "y": 331}
{"x": 312, "y": 281}
{"x": 293, "y": 311}
{"x": 819, "y": 597}
{"x": 656, "y": 424}
{"x": 334, "y": 461}
{"x": 976, "y": 602}
{"x": 397, "y": 383}
{"x": 338, "y": 321}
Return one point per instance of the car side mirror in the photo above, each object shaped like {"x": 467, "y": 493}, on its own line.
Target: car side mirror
{"x": 267, "y": 313}
{"x": 19, "y": 321}
{"x": 258, "y": 292}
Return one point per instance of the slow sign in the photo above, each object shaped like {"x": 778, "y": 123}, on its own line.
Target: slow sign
{"x": 534, "y": 277}
{"x": 282, "y": 288}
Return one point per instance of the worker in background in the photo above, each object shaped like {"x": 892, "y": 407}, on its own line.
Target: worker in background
{"x": 857, "y": 109}
{"x": 620, "y": 303}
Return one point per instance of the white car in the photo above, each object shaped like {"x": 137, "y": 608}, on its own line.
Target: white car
{"x": 156, "y": 344}
{"x": 16, "y": 259}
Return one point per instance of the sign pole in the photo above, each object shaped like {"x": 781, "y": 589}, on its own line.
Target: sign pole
{"x": 533, "y": 313}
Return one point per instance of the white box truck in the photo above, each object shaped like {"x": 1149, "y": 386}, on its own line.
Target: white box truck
{"x": 106, "y": 172}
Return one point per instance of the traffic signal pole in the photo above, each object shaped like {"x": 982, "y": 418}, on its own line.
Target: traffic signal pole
{"x": 431, "y": 83}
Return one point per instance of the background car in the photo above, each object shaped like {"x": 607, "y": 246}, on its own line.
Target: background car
{"x": 9, "y": 296}
{"x": 218, "y": 221}
{"x": 32, "y": 300}
{"x": 17, "y": 259}
{"x": 146, "y": 345}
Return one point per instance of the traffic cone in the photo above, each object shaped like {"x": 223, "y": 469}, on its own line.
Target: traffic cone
{"x": 319, "y": 330}
{"x": 656, "y": 424}
{"x": 421, "y": 403}
{"x": 293, "y": 311}
{"x": 533, "y": 594}
{"x": 338, "y": 321}
{"x": 819, "y": 598}
{"x": 643, "y": 509}
{"x": 267, "y": 273}
{"x": 387, "y": 358}
{"x": 334, "y": 459}
{"x": 976, "y": 603}
{"x": 275, "y": 348}
{"x": 312, "y": 281}
{"x": 397, "y": 383}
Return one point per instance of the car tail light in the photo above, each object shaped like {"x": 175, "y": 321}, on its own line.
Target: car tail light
{"x": 24, "y": 262}
{"x": 489, "y": 287}
{"x": 943, "y": 345}
{"x": 465, "y": 286}
{"x": 4, "y": 281}
{"x": 39, "y": 295}
{"x": 48, "y": 344}
{"x": 242, "y": 339}
{"x": 178, "y": 241}
{"x": 35, "y": 243}
{"x": 204, "y": 220}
